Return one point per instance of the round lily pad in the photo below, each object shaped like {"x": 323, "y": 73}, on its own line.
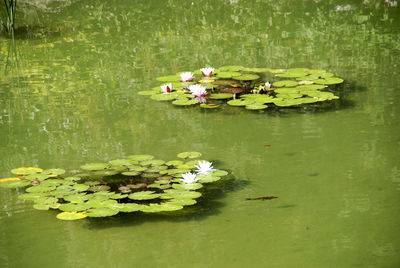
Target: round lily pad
{"x": 209, "y": 105}
{"x": 74, "y": 207}
{"x": 226, "y": 75}
{"x": 41, "y": 206}
{"x": 98, "y": 188}
{"x": 163, "y": 97}
{"x": 10, "y": 179}
{"x": 40, "y": 188}
{"x": 14, "y": 184}
{"x": 36, "y": 176}
{"x": 76, "y": 198}
{"x": 208, "y": 178}
{"x": 175, "y": 193}
{"x": 131, "y": 207}
{"x": 185, "y": 102}
{"x": 174, "y": 163}
{"x": 26, "y": 170}
{"x": 189, "y": 155}
{"x": 161, "y": 207}
{"x": 54, "y": 172}
{"x": 101, "y": 212}
{"x": 182, "y": 201}
{"x": 231, "y": 68}
{"x": 221, "y": 96}
{"x": 80, "y": 187}
{"x": 285, "y": 83}
{"x": 141, "y": 157}
{"x": 256, "y": 106}
{"x": 130, "y": 173}
{"x": 329, "y": 81}
{"x": 187, "y": 186}
{"x": 69, "y": 216}
{"x": 152, "y": 162}
{"x": 240, "y": 102}
{"x": 246, "y": 77}
{"x": 121, "y": 162}
{"x": 144, "y": 195}
{"x": 310, "y": 87}
{"x": 95, "y": 166}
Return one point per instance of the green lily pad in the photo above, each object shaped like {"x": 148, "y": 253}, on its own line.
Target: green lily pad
{"x": 174, "y": 163}
{"x": 208, "y": 178}
{"x": 310, "y": 77}
{"x": 98, "y": 188}
{"x": 189, "y": 155}
{"x": 54, "y": 172}
{"x": 141, "y": 157}
{"x": 161, "y": 207}
{"x": 175, "y": 193}
{"x": 118, "y": 196}
{"x": 31, "y": 196}
{"x": 310, "y": 87}
{"x": 220, "y": 172}
{"x": 80, "y": 187}
{"x": 246, "y": 77}
{"x": 95, "y": 166}
{"x": 150, "y": 175}
{"x": 181, "y": 201}
{"x": 105, "y": 172}
{"x": 122, "y": 162}
{"x": 227, "y": 75}
{"x": 72, "y": 179}
{"x": 76, "y": 198}
{"x": 221, "y": 96}
{"x": 163, "y": 97}
{"x": 240, "y": 102}
{"x": 40, "y": 189}
{"x": 287, "y": 90}
{"x": 101, "y": 212}
{"x": 292, "y": 74}
{"x": 187, "y": 186}
{"x": 152, "y": 162}
{"x": 209, "y": 105}
{"x": 74, "y": 207}
{"x": 14, "y": 184}
{"x": 329, "y": 81}
{"x": 257, "y": 70}
{"x": 137, "y": 168}
{"x": 185, "y": 102}
{"x": 144, "y": 195}
{"x": 36, "y": 176}
{"x": 41, "y": 206}
{"x": 130, "y": 173}
{"x": 131, "y": 207}
{"x": 285, "y": 83}
{"x": 256, "y": 106}
{"x": 69, "y": 216}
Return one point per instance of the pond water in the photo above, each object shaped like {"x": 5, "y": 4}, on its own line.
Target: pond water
{"x": 68, "y": 96}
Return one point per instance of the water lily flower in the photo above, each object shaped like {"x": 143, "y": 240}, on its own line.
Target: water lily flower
{"x": 187, "y": 77}
{"x": 167, "y": 88}
{"x": 201, "y": 99}
{"x": 267, "y": 85}
{"x": 197, "y": 90}
{"x": 189, "y": 177}
{"x": 204, "y": 167}
{"x": 207, "y": 72}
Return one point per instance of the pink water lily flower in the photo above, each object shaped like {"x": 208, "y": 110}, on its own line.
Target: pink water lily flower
{"x": 197, "y": 90}
{"x": 167, "y": 88}
{"x": 207, "y": 72}
{"x": 187, "y": 77}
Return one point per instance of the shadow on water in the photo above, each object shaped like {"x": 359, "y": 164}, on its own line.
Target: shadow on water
{"x": 207, "y": 205}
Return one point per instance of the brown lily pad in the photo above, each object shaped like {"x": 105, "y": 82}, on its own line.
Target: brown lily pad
{"x": 234, "y": 90}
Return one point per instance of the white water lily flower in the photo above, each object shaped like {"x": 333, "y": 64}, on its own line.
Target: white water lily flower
{"x": 167, "y": 88}
{"x": 207, "y": 72}
{"x": 187, "y": 77}
{"x": 189, "y": 177}
{"x": 204, "y": 167}
{"x": 197, "y": 90}
{"x": 267, "y": 85}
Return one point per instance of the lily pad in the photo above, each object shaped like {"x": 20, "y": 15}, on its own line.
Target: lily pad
{"x": 95, "y": 166}
{"x": 36, "y": 176}
{"x": 329, "y": 81}
{"x": 209, "y": 105}
{"x": 122, "y": 162}
{"x": 175, "y": 193}
{"x": 221, "y": 96}
{"x": 163, "y": 97}
{"x": 246, "y": 77}
{"x": 208, "y": 178}
{"x": 181, "y": 201}
{"x": 285, "y": 83}
{"x": 187, "y": 186}
{"x": 131, "y": 207}
{"x": 41, "y": 206}
{"x": 74, "y": 207}
{"x": 101, "y": 212}
{"x": 256, "y": 106}
{"x": 141, "y": 157}
{"x": 40, "y": 189}
{"x": 14, "y": 184}
{"x": 152, "y": 162}
{"x": 185, "y": 102}
{"x": 227, "y": 75}
{"x": 231, "y": 68}
{"x": 189, "y": 155}
{"x": 240, "y": 102}
{"x": 26, "y": 170}
{"x": 54, "y": 172}
{"x": 69, "y": 216}
{"x": 161, "y": 207}
{"x": 144, "y": 195}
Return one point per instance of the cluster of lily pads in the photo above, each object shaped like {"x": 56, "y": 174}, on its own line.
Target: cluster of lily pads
{"x": 252, "y": 88}
{"x": 137, "y": 183}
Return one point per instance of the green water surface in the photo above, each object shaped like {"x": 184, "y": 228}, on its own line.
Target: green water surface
{"x": 68, "y": 96}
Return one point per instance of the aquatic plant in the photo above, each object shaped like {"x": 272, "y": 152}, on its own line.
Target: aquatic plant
{"x": 252, "y": 88}
{"x": 10, "y": 7}
{"x": 135, "y": 183}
